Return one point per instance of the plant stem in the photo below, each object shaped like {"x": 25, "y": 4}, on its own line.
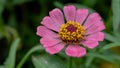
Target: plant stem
{"x": 70, "y": 62}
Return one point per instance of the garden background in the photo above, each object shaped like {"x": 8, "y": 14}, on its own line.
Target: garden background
{"x": 20, "y": 47}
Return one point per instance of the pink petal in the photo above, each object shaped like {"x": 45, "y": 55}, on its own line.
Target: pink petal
{"x": 45, "y": 32}
{"x": 95, "y": 28}
{"x": 47, "y": 42}
{"x": 75, "y": 51}
{"x": 90, "y": 43}
{"x": 81, "y": 15}
{"x": 55, "y": 49}
{"x": 92, "y": 19}
{"x": 57, "y": 16}
{"x": 69, "y": 12}
{"x": 99, "y": 36}
{"x": 49, "y": 23}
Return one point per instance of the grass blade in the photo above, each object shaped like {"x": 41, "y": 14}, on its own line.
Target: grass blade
{"x": 10, "y": 62}
{"x": 116, "y": 14}
{"x": 34, "y": 49}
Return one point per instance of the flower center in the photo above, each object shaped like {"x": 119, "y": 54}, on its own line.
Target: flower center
{"x": 72, "y": 32}
{"x": 71, "y": 28}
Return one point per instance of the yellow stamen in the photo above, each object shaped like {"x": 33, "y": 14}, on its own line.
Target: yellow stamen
{"x": 72, "y": 32}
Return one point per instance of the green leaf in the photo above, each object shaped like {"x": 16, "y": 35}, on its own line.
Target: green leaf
{"x": 62, "y": 54}
{"x": 90, "y": 3}
{"x": 103, "y": 57}
{"x": 1, "y": 66}
{"x": 111, "y": 45}
{"x": 12, "y": 20}
{"x": 89, "y": 61}
{"x": 20, "y": 1}
{"x": 2, "y": 31}
{"x": 32, "y": 50}
{"x": 58, "y": 4}
{"x": 2, "y": 4}
{"x": 116, "y": 14}
{"x": 48, "y": 61}
{"x": 117, "y": 35}
{"x": 10, "y": 61}
{"x": 110, "y": 37}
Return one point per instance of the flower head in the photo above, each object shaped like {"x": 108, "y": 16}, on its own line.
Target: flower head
{"x": 76, "y": 31}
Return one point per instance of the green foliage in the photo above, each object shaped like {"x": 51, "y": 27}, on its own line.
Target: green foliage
{"x": 16, "y": 2}
{"x": 110, "y": 37}
{"x": 1, "y": 28}
{"x": 2, "y": 4}
{"x": 116, "y": 14}
{"x": 20, "y": 18}
{"x": 90, "y": 3}
{"x": 89, "y": 60}
{"x": 10, "y": 61}
{"x": 47, "y": 61}
{"x": 34, "y": 49}
{"x": 2, "y": 67}
{"x": 111, "y": 45}
{"x": 58, "y": 4}
{"x": 106, "y": 57}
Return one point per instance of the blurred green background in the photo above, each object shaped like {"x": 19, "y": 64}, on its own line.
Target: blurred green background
{"x": 20, "y": 18}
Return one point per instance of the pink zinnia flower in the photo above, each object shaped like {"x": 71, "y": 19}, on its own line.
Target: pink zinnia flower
{"x": 78, "y": 28}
